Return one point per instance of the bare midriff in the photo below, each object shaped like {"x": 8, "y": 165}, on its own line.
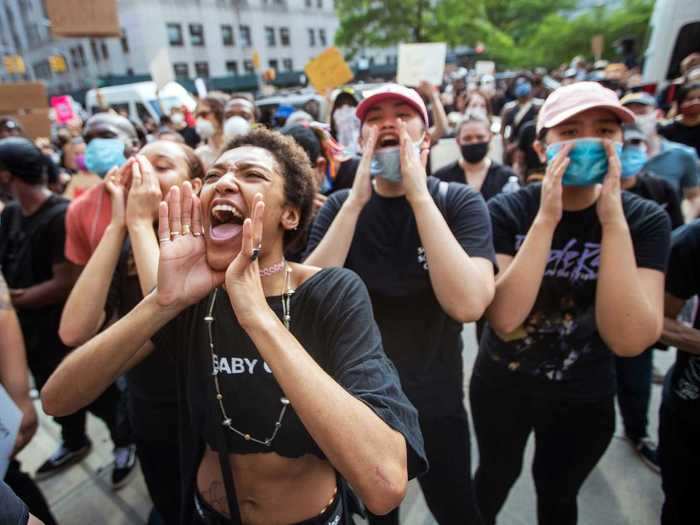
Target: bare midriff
{"x": 271, "y": 489}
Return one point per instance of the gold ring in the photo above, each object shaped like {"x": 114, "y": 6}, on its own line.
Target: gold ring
{"x": 197, "y": 234}
{"x": 173, "y": 234}
{"x": 186, "y": 229}
{"x": 163, "y": 239}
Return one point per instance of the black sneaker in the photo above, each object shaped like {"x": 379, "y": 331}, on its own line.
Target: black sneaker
{"x": 124, "y": 463}
{"x": 646, "y": 449}
{"x": 63, "y": 457}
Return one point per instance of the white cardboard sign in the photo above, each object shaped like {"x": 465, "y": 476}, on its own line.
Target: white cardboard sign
{"x": 10, "y": 420}
{"x": 161, "y": 69}
{"x": 419, "y": 62}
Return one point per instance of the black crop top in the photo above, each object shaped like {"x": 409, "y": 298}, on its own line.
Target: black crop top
{"x": 332, "y": 319}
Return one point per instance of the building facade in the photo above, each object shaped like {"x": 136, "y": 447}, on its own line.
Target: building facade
{"x": 204, "y": 38}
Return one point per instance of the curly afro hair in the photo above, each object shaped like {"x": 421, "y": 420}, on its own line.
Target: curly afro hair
{"x": 299, "y": 180}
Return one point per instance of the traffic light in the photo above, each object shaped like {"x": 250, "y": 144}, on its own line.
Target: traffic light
{"x": 14, "y": 64}
{"x": 57, "y": 63}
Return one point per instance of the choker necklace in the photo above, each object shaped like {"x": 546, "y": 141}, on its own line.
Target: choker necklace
{"x": 272, "y": 270}
{"x": 287, "y": 319}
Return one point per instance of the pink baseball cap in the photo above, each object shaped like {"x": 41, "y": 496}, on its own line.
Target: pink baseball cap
{"x": 395, "y": 92}
{"x": 567, "y": 101}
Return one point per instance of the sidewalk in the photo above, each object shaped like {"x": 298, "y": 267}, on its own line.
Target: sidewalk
{"x": 620, "y": 491}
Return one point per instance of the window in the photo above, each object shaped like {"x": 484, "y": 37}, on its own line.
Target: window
{"x": 105, "y": 50}
{"x": 142, "y": 112}
{"x": 248, "y": 66}
{"x": 182, "y": 70}
{"x": 124, "y": 42}
{"x": 270, "y": 36}
{"x": 284, "y": 36}
{"x": 175, "y": 35}
{"x": 227, "y": 35}
{"x": 93, "y": 48}
{"x": 322, "y": 37}
{"x": 319, "y": 4}
{"x": 201, "y": 69}
{"x": 232, "y": 67}
{"x": 273, "y": 64}
{"x": 312, "y": 37}
{"x": 130, "y": 71}
{"x": 307, "y": 3}
{"x": 197, "y": 35}
{"x": 287, "y": 64}
{"x": 246, "y": 41}
{"x": 74, "y": 58}
{"x": 81, "y": 54}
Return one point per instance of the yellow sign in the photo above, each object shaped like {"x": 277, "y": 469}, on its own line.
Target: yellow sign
{"x": 14, "y": 64}
{"x": 328, "y": 70}
{"x": 256, "y": 60}
{"x": 57, "y": 63}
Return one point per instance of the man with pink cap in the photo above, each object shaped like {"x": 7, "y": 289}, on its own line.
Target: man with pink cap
{"x": 423, "y": 248}
{"x": 581, "y": 279}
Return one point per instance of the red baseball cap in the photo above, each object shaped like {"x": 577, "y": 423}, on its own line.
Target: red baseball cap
{"x": 567, "y": 101}
{"x": 396, "y": 92}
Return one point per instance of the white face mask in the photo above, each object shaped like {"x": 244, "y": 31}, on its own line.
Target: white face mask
{"x": 205, "y": 129}
{"x": 235, "y": 126}
{"x": 177, "y": 118}
{"x": 647, "y": 123}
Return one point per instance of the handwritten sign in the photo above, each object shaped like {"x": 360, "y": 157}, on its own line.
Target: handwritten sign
{"x": 419, "y": 62}
{"x": 328, "y": 70}
{"x": 10, "y": 419}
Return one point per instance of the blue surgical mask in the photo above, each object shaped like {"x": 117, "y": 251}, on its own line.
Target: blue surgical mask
{"x": 386, "y": 163}
{"x": 588, "y": 161}
{"x": 101, "y": 155}
{"x": 632, "y": 159}
{"x": 522, "y": 89}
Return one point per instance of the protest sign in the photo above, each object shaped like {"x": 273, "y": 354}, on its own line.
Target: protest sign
{"x": 418, "y": 62}
{"x": 10, "y": 420}
{"x": 83, "y": 18}
{"x": 328, "y": 70}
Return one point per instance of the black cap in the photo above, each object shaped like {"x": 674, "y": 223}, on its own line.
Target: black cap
{"x": 22, "y": 159}
{"x": 307, "y": 139}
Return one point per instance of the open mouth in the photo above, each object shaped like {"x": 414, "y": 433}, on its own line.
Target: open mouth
{"x": 388, "y": 141}
{"x": 226, "y": 222}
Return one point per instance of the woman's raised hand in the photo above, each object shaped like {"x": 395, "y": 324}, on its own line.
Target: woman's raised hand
{"x": 144, "y": 194}
{"x": 184, "y": 276}
{"x": 243, "y": 283}
{"x": 116, "y": 182}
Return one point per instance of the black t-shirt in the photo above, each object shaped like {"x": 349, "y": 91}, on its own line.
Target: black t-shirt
{"x": 190, "y": 136}
{"x": 29, "y": 247}
{"x": 152, "y": 384}
{"x": 421, "y": 339}
{"x": 683, "y": 281}
{"x": 511, "y": 110}
{"x": 558, "y": 352}
{"x": 679, "y": 132}
{"x": 13, "y": 511}
{"x": 331, "y": 317}
{"x": 496, "y": 177}
{"x": 526, "y": 138}
{"x": 346, "y": 174}
{"x": 661, "y": 192}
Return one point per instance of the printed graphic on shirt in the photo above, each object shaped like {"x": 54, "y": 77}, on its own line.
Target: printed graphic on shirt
{"x": 422, "y": 258}
{"x": 688, "y": 385}
{"x": 560, "y": 330}
{"x": 238, "y": 365}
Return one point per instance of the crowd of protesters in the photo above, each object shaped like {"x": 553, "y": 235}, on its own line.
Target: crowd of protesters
{"x": 266, "y": 309}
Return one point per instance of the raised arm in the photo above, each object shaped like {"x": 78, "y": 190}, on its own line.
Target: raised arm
{"x": 376, "y": 465}
{"x": 629, "y": 300}
{"x": 184, "y": 278}
{"x": 84, "y": 312}
{"x": 333, "y": 249}
{"x": 520, "y": 277}
{"x": 440, "y": 124}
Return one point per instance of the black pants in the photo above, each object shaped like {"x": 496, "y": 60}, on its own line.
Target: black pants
{"x": 160, "y": 464}
{"x": 27, "y": 491}
{"x": 679, "y": 436}
{"x": 108, "y": 407}
{"x": 447, "y": 486}
{"x": 570, "y": 439}
{"x": 634, "y": 375}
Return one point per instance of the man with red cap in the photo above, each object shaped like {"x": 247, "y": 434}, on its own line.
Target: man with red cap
{"x": 423, "y": 248}
{"x": 581, "y": 279}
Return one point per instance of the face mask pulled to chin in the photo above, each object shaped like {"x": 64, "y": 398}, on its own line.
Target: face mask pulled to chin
{"x": 386, "y": 162}
{"x": 588, "y": 161}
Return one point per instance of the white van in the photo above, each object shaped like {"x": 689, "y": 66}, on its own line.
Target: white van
{"x": 674, "y": 33}
{"x": 140, "y": 99}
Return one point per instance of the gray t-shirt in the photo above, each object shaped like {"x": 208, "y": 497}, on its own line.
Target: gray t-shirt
{"x": 677, "y": 164}
{"x": 13, "y": 511}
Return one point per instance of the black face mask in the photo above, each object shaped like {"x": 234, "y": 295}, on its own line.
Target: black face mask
{"x": 474, "y": 153}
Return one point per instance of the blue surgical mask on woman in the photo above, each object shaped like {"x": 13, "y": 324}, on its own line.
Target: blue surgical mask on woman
{"x": 386, "y": 163}
{"x": 632, "y": 159}
{"x": 522, "y": 89}
{"x": 101, "y": 155}
{"x": 588, "y": 161}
